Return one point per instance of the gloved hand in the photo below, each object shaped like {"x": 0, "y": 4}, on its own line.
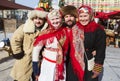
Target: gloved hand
{"x": 97, "y": 70}
{"x": 18, "y": 55}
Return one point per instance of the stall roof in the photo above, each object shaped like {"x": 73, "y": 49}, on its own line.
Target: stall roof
{"x": 111, "y": 15}
{"x": 101, "y": 15}
{"x": 114, "y": 15}
{"x": 8, "y": 5}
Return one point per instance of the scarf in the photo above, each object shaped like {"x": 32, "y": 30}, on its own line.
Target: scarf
{"x": 77, "y": 51}
{"x": 91, "y": 27}
{"x": 59, "y": 33}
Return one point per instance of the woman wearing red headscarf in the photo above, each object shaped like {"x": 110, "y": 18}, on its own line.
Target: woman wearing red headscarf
{"x": 95, "y": 39}
{"x": 54, "y": 42}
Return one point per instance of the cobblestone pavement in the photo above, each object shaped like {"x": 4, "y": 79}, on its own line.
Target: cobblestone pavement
{"x": 111, "y": 67}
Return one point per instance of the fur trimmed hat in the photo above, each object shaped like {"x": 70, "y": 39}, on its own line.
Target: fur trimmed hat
{"x": 69, "y": 10}
{"x": 29, "y": 26}
{"x": 37, "y": 12}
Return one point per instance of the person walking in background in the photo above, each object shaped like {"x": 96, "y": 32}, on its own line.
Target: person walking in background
{"x": 54, "y": 42}
{"x": 118, "y": 30}
{"x": 75, "y": 57}
{"x": 22, "y": 44}
{"x": 95, "y": 39}
{"x": 116, "y": 27}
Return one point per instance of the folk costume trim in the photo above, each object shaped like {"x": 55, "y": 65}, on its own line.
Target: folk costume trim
{"x": 59, "y": 34}
{"x": 77, "y": 55}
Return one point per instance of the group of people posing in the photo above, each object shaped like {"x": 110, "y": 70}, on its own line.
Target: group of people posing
{"x": 60, "y": 45}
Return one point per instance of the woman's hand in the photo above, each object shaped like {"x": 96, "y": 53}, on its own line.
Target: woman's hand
{"x": 36, "y": 78}
{"x": 97, "y": 70}
{"x": 95, "y": 74}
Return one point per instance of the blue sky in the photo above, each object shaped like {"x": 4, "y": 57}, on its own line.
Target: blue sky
{"x": 29, "y": 3}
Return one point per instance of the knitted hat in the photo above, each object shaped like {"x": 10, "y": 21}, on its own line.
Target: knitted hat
{"x": 69, "y": 10}
{"x": 29, "y": 26}
{"x": 37, "y": 12}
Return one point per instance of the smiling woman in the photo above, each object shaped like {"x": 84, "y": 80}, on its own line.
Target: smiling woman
{"x": 95, "y": 40}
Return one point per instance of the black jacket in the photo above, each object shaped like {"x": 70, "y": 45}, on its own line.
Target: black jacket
{"x": 95, "y": 39}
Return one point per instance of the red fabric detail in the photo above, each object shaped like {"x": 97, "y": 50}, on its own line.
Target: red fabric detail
{"x": 86, "y": 7}
{"x": 40, "y": 9}
{"x": 82, "y": 36}
{"x": 58, "y": 33}
{"x": 79, "y": 25}
{"x": 65, "y": 46}
{"x": 53, "y": 61}
{"x": 101, "y": 15}
{"x": 76, "y": 66}
{"x": 60, "y": 70}
{"x": 60, "y": 12}
{"x": 65, "y": 49}
{"x": 52, "y": 49}
{"x": 49, "y": 34}
{"x": 91, "y": 27}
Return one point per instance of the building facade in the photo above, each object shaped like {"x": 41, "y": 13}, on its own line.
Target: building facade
{"x": 97, "y": 5}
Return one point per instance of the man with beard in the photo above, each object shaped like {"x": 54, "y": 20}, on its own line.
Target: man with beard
{"x": 22, "y": 44}
{"x": 75, "y": 57}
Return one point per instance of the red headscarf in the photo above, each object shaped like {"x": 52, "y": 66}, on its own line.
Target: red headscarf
{"x": 85, "y": 8}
